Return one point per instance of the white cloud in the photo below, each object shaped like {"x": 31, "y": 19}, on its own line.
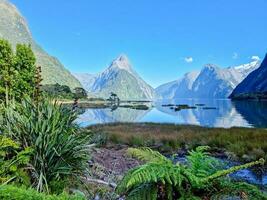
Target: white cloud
{"x": 255, "y": 58}
{"x": 188, "y": 59}
{"x": 235, "y": 55}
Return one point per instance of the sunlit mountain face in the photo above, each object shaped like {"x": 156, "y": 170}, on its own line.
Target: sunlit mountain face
{"x": 211, "y": 82}
{"x": 119, "y": 78}
{"x": 14, "y": 28}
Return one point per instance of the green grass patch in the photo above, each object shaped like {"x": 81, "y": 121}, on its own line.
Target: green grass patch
{"x": 245, "y": 144}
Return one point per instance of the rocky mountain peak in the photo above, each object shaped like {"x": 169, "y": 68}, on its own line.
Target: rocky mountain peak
{"x": 122, "y": 62}
{"x": 210, "y": 67}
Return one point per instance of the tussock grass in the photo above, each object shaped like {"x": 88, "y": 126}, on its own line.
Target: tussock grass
{"x": 239, "y": 143}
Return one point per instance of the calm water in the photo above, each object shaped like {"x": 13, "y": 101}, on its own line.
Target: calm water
{"x": 227, "y": 114}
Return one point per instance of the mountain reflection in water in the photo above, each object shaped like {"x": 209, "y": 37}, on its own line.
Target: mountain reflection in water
{"x": 227, "y": 113}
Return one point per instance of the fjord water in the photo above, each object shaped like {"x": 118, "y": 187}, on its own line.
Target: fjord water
{"x": 213, "y": 113}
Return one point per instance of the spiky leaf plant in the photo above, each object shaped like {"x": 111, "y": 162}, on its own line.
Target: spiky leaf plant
{"x": 60, "y": 152}
{"x": 160, "y": 179}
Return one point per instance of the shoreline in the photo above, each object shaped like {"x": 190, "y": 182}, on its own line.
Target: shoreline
{"x": 237, "y": 143}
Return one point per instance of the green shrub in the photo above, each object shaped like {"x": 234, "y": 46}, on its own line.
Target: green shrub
{"x": 60, "y": 152}
{"x": 9, "y": 192}
{"x": 13, "y": 162}
{"x": 159, "y": 178}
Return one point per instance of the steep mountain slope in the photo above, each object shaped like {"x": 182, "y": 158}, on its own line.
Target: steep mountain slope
{"x": 87, "y": 80}
{"x": 214, "y": 82}
{"x": 121, "y": 79}
{"x": 210, "y": 82}
{"x": 254, "y": 85}
{"x": 179, "y": 88}
{"x": 14, "y": 28}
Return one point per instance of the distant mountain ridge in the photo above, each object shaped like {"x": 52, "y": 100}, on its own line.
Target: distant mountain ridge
{"x": 87, "y": 80}
{"x": 254, "y": 85}
{"x": 14, "y": 28}
{"x": 210, "y": 82}
{"x": 119, "y": 78}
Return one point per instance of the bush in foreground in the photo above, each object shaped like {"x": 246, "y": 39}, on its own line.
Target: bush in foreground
{"x": 9, "y": 192}
{"x": 13, "y": 162}
{"x": 60, "y": 153}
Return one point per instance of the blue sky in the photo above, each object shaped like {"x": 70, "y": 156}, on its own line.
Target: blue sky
{"x": 163, "y": 38}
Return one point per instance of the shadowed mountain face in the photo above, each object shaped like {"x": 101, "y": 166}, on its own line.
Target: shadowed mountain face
{"x": 14, "y": 28}
{"x": 119, "y": 78}
{"x": 255, "y": 84}
{"x": 210, "y": 82}
{"x": 255, "y": 112}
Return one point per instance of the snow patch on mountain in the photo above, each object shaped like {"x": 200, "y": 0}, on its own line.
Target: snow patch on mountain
{"x": 211, "y": 82}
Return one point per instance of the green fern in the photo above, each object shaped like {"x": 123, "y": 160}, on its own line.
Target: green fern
{"x": 148, "y": 155}
{"x": 159, "y": 178}
{"x": 201, "y": 164}
{"x": 145, "y": 191}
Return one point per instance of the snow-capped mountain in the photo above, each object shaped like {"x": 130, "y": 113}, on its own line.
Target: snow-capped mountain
{"x": 179, "y": 88}
{"x": 254, "y": 85}
{"x": 119, "y": 78}
{"x": 210, "y": 82}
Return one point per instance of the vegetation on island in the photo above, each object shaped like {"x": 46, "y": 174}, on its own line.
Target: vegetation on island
{"x": 45, "y": 155}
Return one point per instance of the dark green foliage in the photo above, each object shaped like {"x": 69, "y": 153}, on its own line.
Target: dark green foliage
{"x": 80, "y": 93}
{"x": 25, "y": 66}
{"x": 60, "y": 152}
{"x": 9, "y": 192}
{"x": 16, "y": 71}
{"x": 160, "y": 179}
{"x": 63, "y": 92}
{"x": 13, "y": 162}
{"x": 7, "y": 70}
{"x": 58, "y": 91}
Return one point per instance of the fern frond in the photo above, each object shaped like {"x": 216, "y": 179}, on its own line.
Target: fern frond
{"x": 201, "y": 164}
{"x": 231, "y": 170}
{"x": 154, "y": 173}
{"x": 122, "y": 186}
{"x": 148, "y": 155}
{"x": 165, "y": 180}
{"x": 144, "y": 191}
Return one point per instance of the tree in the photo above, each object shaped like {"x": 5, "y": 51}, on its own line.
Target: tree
{"x": 80, "y": 93}
{"x": 57, "y": 90}
{"x": 25, "y": 65}
{"x": 7, "y": 71}
{"x": 114, "y": 97}
{"x": 17, "y": 72}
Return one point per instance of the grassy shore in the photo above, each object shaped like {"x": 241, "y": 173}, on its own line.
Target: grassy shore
{"x": 244, "y": 144}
